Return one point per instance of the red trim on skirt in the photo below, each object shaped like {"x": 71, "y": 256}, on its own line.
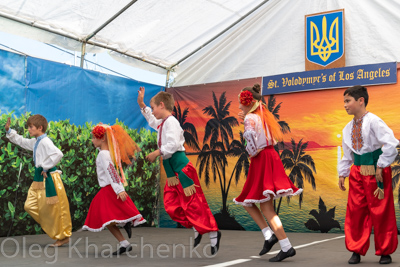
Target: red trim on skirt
{"x": 266, "y": 179}
{"x": 106, "y": 209}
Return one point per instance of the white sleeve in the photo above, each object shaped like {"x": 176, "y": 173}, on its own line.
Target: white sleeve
{"x": 250, "y": 136}
{"x": 26, "y": 143}
{"x": 347, "y": 160}
{"x": 386, "y": 138}
{"x": 53, "y": 155}
{"x": 170, "y": 140}
{"x": 112, "y": 175}
{"x": 151, "y": 120}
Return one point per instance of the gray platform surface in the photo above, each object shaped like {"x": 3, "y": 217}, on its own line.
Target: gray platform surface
{"x": 173, "y": 247}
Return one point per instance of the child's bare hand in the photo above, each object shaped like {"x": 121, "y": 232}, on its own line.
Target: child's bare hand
{"x": 378, "y": 175}
{"x": 123, "y": 196}
{"x": 153, "y": 156}
{"x": 341, "y": 184}
{"x": 44, "y": 174}
{"x": 141, "y": 97}
{"x": 7, "y": 127}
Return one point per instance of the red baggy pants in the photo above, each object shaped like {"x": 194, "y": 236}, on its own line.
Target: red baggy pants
{"x": 192, "y": 211}
{"x": 365, "y": 211}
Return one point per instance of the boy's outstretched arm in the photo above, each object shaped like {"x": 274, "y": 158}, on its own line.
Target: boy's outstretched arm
{"x": 141, "y": 97}
{"x": 17, "y": 139}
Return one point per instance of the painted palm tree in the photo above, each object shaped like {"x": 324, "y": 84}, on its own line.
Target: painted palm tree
{"x": 300, "y": 165}
{"x": 189, "y": 133}
{"x": 238, "y": 149}
{"x": 220, "y": 125}
{"x": 396, "y": 172}
{"x": 213, "y": 156}
{"x": 212, "y": 161}
{"x": 324, "y": 220}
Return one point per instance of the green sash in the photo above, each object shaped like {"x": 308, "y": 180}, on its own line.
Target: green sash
{"x": 367, "y": 163}
{"x": 51, "y": 193}
{"x": 175, "y": 164}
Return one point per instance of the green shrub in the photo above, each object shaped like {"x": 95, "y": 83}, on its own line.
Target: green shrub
{"x": 79, "y": 174}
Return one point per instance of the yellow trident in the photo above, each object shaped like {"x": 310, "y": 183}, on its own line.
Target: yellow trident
{"x": 323, "y": 47}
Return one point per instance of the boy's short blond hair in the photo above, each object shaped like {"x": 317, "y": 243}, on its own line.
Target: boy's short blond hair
{"x": 37, "y": 121}
{"x": 166, "y": 98}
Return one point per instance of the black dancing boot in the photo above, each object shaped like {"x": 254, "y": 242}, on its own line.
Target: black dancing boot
{"x": 283, "y": 255}
{"x": 215, "y": 249}
{"x": 128, "y": 229}
{"x": 354, "y": 259}
{"x": 122, "y": 250}
{"x": 385, "y": 259}
{"x": 197, "y": 240}
{"x": 268, "y": 244}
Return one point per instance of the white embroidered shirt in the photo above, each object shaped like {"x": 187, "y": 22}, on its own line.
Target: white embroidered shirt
{"x": 170, "y": 134}
{"x": 46, "y": 154}
{"x": 106, "y": 172}
{"x": 374, "y": 134}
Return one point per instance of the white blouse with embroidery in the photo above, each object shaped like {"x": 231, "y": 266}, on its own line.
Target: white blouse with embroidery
{"x": 106, "y": 173}
{"x": 171, "y": 138}
{"x": 47, "y": 155}
{"x": 375, "y": 134}
{"x": 255, "y": 135}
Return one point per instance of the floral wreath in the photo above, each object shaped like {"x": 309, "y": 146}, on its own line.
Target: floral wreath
{"x": 99, "y": 132}
{"x": 245, "y": 98}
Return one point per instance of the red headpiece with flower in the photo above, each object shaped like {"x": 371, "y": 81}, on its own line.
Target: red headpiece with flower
{"x": 99, "y": 132}
{"x": 245, "y": 98}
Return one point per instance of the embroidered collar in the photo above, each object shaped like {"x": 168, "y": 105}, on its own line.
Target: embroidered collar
{"x": 160, "y": 125}
{"x": 357, "y": 121}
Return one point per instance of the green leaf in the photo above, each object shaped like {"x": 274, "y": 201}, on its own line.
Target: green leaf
{"x": 11, "y": 208}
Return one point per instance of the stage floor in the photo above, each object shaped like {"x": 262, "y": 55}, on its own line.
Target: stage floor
{"x": 173, "y": 247}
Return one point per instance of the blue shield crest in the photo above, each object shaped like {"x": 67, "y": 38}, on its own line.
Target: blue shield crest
{"x": 324, "y": 37}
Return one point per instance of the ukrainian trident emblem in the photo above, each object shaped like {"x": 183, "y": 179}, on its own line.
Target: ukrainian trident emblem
{"x": 325, "y": 37}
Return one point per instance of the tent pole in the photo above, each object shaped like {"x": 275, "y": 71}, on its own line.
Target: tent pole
{"x": 83, "y": 51}
{"x": 110, "y": 20}
{"x": 219, "y": 34}
{"x": 167, "y": 79}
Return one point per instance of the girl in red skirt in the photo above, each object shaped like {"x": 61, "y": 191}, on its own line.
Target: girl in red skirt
{"x": 112, "y": 205}
{"x": 266, "y": 179}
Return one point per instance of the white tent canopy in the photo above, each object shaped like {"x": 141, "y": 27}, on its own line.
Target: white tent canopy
{"x": 159, "y": 32}
{"x": 204, "y": 41}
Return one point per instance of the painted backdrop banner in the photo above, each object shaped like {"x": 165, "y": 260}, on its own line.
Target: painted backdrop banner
{"x": 313, "y": 123}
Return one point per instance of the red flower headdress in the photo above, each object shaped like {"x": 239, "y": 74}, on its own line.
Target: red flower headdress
{"x": 121, "y": 145}
{"x": 245, "y": 98}
{"x": 99, "y": 132}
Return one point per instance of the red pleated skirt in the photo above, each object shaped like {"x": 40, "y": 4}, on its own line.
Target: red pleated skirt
{"x": 106, "y": 209}
{"x": 266, "y": 179}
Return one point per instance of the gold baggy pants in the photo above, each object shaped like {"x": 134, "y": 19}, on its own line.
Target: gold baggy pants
{"x": 55, "y": 219}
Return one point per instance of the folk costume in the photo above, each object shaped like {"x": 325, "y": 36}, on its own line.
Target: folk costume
{"x": 106, "y": 208}
{"x": 46, "y": 201}
{"x": 184, "y": 200}
{"x": 266, "y": 178}
{"x": 369, "y": 143}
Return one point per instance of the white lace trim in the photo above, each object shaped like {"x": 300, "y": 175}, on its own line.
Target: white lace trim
{"x": 136, "y": 222}
{"x": 267, "y": 194}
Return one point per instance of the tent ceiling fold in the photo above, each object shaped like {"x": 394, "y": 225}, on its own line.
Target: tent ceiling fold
{"x": 150, "y": 34}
